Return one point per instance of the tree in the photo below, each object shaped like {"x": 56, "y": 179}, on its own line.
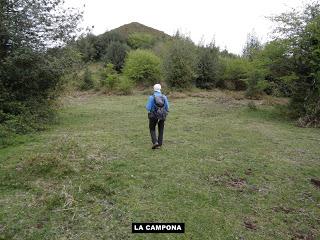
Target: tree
{"x": 302, "y": 30}
{"x": 208, "y": 66}
{"x": 36, "y": 24}
{"x": 104, "y": 40}
{"x": 116, "y": 54}
{"x": 141, "y": 40}
{"x": 143, "y": 66}
{"x": 256, "y": 84}
{"x": 234, "y": 72}
{"x": 32, "y": 61}
{"x": 87, "y": 80}
{"x": 252, "y": 46}
{"x": 180, "y": 63}
{"x": 277, "y": 64}
{"x": 87, "y": 47}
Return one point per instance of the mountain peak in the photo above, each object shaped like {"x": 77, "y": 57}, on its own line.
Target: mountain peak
{"x": 136, "y": 27}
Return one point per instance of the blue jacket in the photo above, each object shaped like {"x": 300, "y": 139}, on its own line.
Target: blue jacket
{"x": 151, "y": 105}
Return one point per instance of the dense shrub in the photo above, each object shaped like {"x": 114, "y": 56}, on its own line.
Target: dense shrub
{"x": 256, "y": 84}
{"x": 180, "y": 63}
{"x": 88, "y": 82}
{"x": 301, "y": 30}
{"x": 113, "y": 82}
{"x": 30, "y": 72}
{"x": 208, "y": 67}
{"x": 234, "y": 73}
{"x": 305, "y": 102}
{"x": 103, "y": 41}
{"x": 125, "y": 85}
{"x": 277, "y": 63}
{"x": 252, "y": 46}
{"x": 116, "y": 54}
{"x": 86, "y": 46}
{"x": 143, "y": 67}
{"x": 94, "y": 48}
{"x": 29, "y": 84}
{"x": 141, "y": 40}
{"x": 110, "y": 77}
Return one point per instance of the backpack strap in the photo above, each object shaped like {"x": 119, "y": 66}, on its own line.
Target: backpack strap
{"x": 154, "y": 100}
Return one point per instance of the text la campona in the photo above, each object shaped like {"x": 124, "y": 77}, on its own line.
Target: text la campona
{"x": 158, "y": 227}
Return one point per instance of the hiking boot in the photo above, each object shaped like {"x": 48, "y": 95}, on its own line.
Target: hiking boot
{"x": 154, "y": 146}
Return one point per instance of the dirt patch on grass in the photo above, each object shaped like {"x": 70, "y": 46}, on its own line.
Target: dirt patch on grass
{"x": 237, "y": 183}
{"x": 227, "y": 179}
{"x": 250, "y": 224}
{"x": 283, "y": 209}
{"x": 301, "y": 235}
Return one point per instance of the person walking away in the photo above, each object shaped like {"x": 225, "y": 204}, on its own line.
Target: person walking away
{"x": 158, "y": 108}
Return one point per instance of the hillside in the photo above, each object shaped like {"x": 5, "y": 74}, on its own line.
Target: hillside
{"x": 134, "y": 27}
{"x": 226, "y": 171}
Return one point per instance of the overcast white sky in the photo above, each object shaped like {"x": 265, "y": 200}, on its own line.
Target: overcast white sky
{"x": 227, "y": 21}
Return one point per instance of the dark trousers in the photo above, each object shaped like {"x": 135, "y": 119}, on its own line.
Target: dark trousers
{"x": 152, "y": 126}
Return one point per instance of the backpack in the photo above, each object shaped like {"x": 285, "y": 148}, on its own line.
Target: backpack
{"x": 160, "y": 111}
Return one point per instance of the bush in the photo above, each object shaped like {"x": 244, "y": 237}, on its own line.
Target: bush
{"x": 277, "y": 63}
{"x": 143, "y": 66}
{"x": 116, "y": 54}
{"x": 208, "y": 67}
{"x": 180, "y": 63}
{"x": 234, "y": 72}
{"x": 29, "y": 83}
{"x": 252, "y": 106}
{"x": 141, "y": 40}
{"x": 87, "y": 80}
{"x": 109, "y": 77}
{"x": 256, "y": 84}
{"x": 125, "y": 85}
{"x": 113, "y": 82}
{"x": 301, "y": 30}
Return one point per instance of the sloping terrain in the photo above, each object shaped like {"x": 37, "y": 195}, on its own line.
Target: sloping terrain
{"x": 136, "y": 27}
{"x": 227, "y": 171}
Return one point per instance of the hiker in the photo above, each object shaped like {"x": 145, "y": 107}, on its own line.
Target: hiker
{"x": 158, "y": 108}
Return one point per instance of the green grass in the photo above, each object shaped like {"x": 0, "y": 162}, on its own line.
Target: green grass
{"x": 223, "y": 170}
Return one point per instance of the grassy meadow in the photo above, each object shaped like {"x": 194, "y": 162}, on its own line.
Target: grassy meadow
{"x": 228, "y": 171}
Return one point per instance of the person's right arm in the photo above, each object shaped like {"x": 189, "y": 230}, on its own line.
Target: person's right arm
{"x": 166, "y": 103}
{"x": 149, "y": 104}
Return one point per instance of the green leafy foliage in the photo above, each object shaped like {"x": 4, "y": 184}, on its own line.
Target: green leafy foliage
{"x": 135, "y": 27}
{"x": 114, "y": 82}
{"x": 125, "y": 85}
{"x": 116, "y": 54}
{"x": 35, "y": 24}
{"x": 141, "y": 40}
{"x": 30, "y": 72}
{"x": 256, "y": 84}
{"x": 94, "y": 48}
{"x": 252, "y": 47}
{"x": 302, "y": 31}
{"x": 88, "y": 82}
{"x": 143, "y": 67}
{"x": 110, "y": 77}
{"x": 87, "y": 47}
{"x": 180, "y": 63}
{"x": 208, "y": 67}
{"x": 235, "y": 72}
{"x": 277, "y": 63}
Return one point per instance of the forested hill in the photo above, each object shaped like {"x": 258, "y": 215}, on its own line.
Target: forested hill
{"x": 135, "y": 27}
{"x": 129, "y": 36}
